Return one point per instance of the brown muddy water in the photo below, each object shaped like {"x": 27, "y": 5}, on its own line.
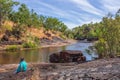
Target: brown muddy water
{"x": 42, "y": 55}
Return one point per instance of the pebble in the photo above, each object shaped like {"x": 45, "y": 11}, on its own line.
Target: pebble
{"x": 93, "y": 69}
{"x": 108, "y": 66}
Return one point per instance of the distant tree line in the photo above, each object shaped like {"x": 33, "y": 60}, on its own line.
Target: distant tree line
{"x": 107, "y": 33}
{"x": 86, "y": 31}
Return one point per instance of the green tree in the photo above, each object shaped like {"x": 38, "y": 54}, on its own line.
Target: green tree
{"x": 6, "y": 7}
{"x": 110, "y": 33}
{"x": 23, "y": 15}
{"x": 33, "y": 19}
{"x": 53, "y": 24}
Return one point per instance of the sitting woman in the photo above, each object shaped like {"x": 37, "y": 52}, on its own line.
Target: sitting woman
{"x": 22, "y": 66}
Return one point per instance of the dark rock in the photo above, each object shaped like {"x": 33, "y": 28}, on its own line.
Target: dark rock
{"x": 67, "y": 56}
{"x": 54, "y": 38}
{"x": 5, "y": 38}
{"x": 92, "y": 39}
{"x": 48, "y": 34}
{"x": 88, "y": 39}
{"x": 7, "y": 32}
{"x": 54, "y": 58}
{"x": 11, "y": 42}
{"x": 70, "y": 55}
{"x": 81, "y": 59}
{"x": 81, "y": 38}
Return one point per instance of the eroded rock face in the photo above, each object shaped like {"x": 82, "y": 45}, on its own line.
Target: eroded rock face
{"x": 67, "y": 56}
{"x": 55, "y": 58}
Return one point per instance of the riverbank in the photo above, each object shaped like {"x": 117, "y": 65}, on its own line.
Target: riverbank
{"x": 58, "y": 43}
{"x": 102, "y": 69}
{"x": 44, "y": 44}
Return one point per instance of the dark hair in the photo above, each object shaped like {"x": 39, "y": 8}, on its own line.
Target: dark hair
{"x": 22, "y": 59}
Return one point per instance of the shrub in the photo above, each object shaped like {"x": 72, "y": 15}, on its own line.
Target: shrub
{"x": 30, "y": 44}
{"x": 37, "y": 40}
{"x": 100, "y": 46}
{"x": 12, "y": 48}
{"x": 63, "y": 37}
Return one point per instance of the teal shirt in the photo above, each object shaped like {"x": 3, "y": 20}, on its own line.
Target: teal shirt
{"x": 22, "y": 67}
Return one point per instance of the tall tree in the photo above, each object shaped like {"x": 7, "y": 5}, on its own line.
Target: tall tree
{"x": 5, "y": 9}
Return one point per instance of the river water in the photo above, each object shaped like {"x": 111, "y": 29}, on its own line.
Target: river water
{"x": 42, "y": 55}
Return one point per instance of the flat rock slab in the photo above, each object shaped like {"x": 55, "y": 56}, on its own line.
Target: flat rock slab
{"x": 102, "y": 69}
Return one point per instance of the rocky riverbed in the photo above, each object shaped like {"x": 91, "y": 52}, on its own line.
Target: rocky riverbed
{"x": 102, "y": 69}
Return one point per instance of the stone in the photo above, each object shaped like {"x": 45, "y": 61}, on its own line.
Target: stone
{"x": 61, "y": 78}
{"x": 54, "y": 58}
{"x": 93, "y": 69}
{"x": 67, "y": 56}
{"x": 68, "y": 74}
{"x": 108, "y": 66}
{"x": 81, "y": 59}
{"x": 70, "y": 55}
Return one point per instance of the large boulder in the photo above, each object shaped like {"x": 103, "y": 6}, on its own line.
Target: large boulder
{"x": 67, "y": 56}
{"x": 70, "y": 55}
{"x": 54, "y": 58}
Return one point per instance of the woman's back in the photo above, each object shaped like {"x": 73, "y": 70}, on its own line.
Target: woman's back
{"x": 22, "y": 66}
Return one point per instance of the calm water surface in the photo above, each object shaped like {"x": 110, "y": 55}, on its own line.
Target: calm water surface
{"x": 42, "y": 55}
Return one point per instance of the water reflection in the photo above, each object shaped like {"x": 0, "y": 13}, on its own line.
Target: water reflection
{"x": 41, "y": 55}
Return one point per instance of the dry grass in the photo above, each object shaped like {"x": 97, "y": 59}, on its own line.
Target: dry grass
{"x": 40, "y": 33}
{"x": 36, "y": 32}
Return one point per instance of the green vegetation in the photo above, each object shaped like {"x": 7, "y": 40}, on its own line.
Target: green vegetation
{"x": 106, "y": 32}
{"x": 30, "y": 45}
{"x": 88, "y": 51}
{"x": 69, "y": 33}
{"x": 32, "y": 42}
{"x": 12, "y": 48}
{"x": 6, "y": 9}
{"x": 109, "y": 38}
{"x": 23, "y": 19}
{"x": 86, "y": 31}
